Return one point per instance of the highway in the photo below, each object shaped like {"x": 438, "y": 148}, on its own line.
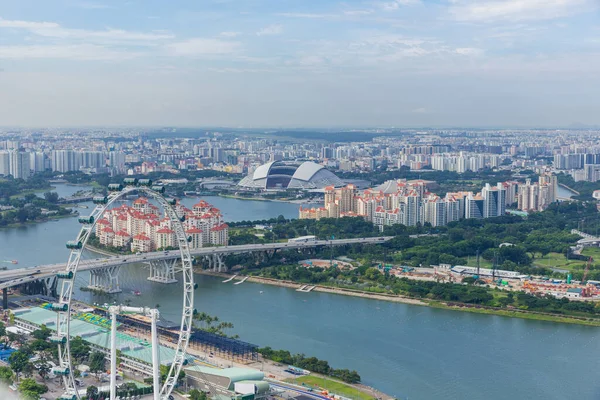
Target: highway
{"x": 14, "y": 277}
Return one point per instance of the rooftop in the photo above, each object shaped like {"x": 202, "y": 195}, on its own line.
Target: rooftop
{"x": 130, "y": 346}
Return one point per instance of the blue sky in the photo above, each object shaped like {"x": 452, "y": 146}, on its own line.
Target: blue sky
{"x": 286, "y": 63}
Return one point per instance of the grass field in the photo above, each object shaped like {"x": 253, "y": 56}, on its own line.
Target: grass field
{"x": 558, "y": 260}
{"x": 472, "y": 262}
{"x": 524, "y": 315}
{"x": 331, "y": 386}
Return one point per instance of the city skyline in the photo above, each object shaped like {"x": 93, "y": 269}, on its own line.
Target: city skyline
{"x": 283, "y": 64}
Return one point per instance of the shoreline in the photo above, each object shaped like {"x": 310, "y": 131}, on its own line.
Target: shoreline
{"x": 30, "y": 223}
{"x": 510, "y": 313}
{"x": 299, "y": 202}
{"x": 568, "y": 188}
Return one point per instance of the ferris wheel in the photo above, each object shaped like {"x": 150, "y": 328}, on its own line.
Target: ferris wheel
{"x": 63, "y": 306}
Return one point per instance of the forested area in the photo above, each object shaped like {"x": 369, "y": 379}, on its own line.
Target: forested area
{"x": 524, "y": 240}
{"x": 12, "y": 187}
{"x": 30, "y": 208}
{"x": 375, "y": 280}
{"x": 312, "y": 364}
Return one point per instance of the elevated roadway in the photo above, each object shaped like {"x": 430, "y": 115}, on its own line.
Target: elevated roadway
{"x": 19, "y": 276}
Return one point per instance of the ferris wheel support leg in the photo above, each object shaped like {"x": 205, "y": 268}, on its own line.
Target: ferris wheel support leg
{"x": 113, "y": 355}
{"x": 155, "y": 357}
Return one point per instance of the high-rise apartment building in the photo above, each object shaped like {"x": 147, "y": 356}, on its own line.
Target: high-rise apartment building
{"x": 19, "y": 164}
{"x": 4, "y": 162}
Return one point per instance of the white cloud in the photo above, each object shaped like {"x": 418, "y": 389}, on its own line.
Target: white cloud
{"x": 229, "y": 34}
{"x": 358, "y": 12}
{"x": 83, "y": 52}
{"x": 89, "y": 5}
{"x": 487, "y": 10}
{"x": 304, "y": 15}
{"x": 54, "y": 30}
{"x": 203, "y": 46}
{"x": 468, "y": 51}
{"x": 275, "y": 29}
{"x": 396, "y": 4}
{"x": 5, "y": 23}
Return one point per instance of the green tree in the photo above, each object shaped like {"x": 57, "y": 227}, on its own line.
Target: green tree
{"x": 42, "y": 365}
{"x": 43, "y": 333}
{"x": 51, "y": 197}
{"x": 196, "y": 394}
{"x": 19, "y": 362}
{"x": 91, "y": 392}
{"x": 164, "y": 370}
{"x": 2, "y": 329}
{"x": 79, "y": 348}
{"x": 31, "y": 390}
{"x": 6, "y": 375}
{"x": 97, "y": 362}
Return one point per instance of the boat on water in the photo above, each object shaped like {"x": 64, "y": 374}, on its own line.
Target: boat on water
{"x": 11, "y": 261}
{"x": 136, "y": 292}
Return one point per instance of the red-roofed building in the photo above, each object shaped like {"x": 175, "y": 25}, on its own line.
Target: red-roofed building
{"x": 122, "y": 239}
{"x": 219, "y": 235}
{"x": 106, "y": 236}
{"x": 165, "y": 238}
{"x": 195, "y": 235}
{"x": 141, "y": 243}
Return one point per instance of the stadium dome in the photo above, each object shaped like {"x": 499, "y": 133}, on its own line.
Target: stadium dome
{"x": 290, "y": 175}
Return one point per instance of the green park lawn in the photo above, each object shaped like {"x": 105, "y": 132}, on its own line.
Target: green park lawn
{"x": 472, "y": 262}
{"x": 331, "y": 386}
{"x": 558, "y": 260}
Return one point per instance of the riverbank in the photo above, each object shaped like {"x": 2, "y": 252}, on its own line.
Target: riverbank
{"x": 298, "y": 201}
{"x": 568, "y": 188}
{"x": 512, "y": 313}
{"x": 516, "y": 313}
{"x": 32, "y": 191}
{"x": 50, "y": 218}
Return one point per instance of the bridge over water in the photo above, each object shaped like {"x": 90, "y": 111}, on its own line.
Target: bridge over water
{"x": 104, "y": 272}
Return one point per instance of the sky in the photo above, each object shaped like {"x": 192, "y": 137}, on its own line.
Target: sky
{"x": 300, "y": 63}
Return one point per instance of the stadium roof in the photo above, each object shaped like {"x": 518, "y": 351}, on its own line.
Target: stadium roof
{"x": 307, "y": 170}
{"x": 292, "y": 175}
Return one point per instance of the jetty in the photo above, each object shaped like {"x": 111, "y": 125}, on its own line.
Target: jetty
{"x": 242, "y": 281}
{"x": 230, "y": 279}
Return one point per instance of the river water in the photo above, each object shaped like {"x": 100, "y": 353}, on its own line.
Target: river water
{"x": 409, "y": 351}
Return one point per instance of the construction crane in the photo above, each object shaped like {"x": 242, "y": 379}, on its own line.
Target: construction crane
{"x": 587, "y": 269}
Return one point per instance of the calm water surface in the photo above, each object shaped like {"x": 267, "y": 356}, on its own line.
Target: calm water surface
{"x": 409, "y": 351}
